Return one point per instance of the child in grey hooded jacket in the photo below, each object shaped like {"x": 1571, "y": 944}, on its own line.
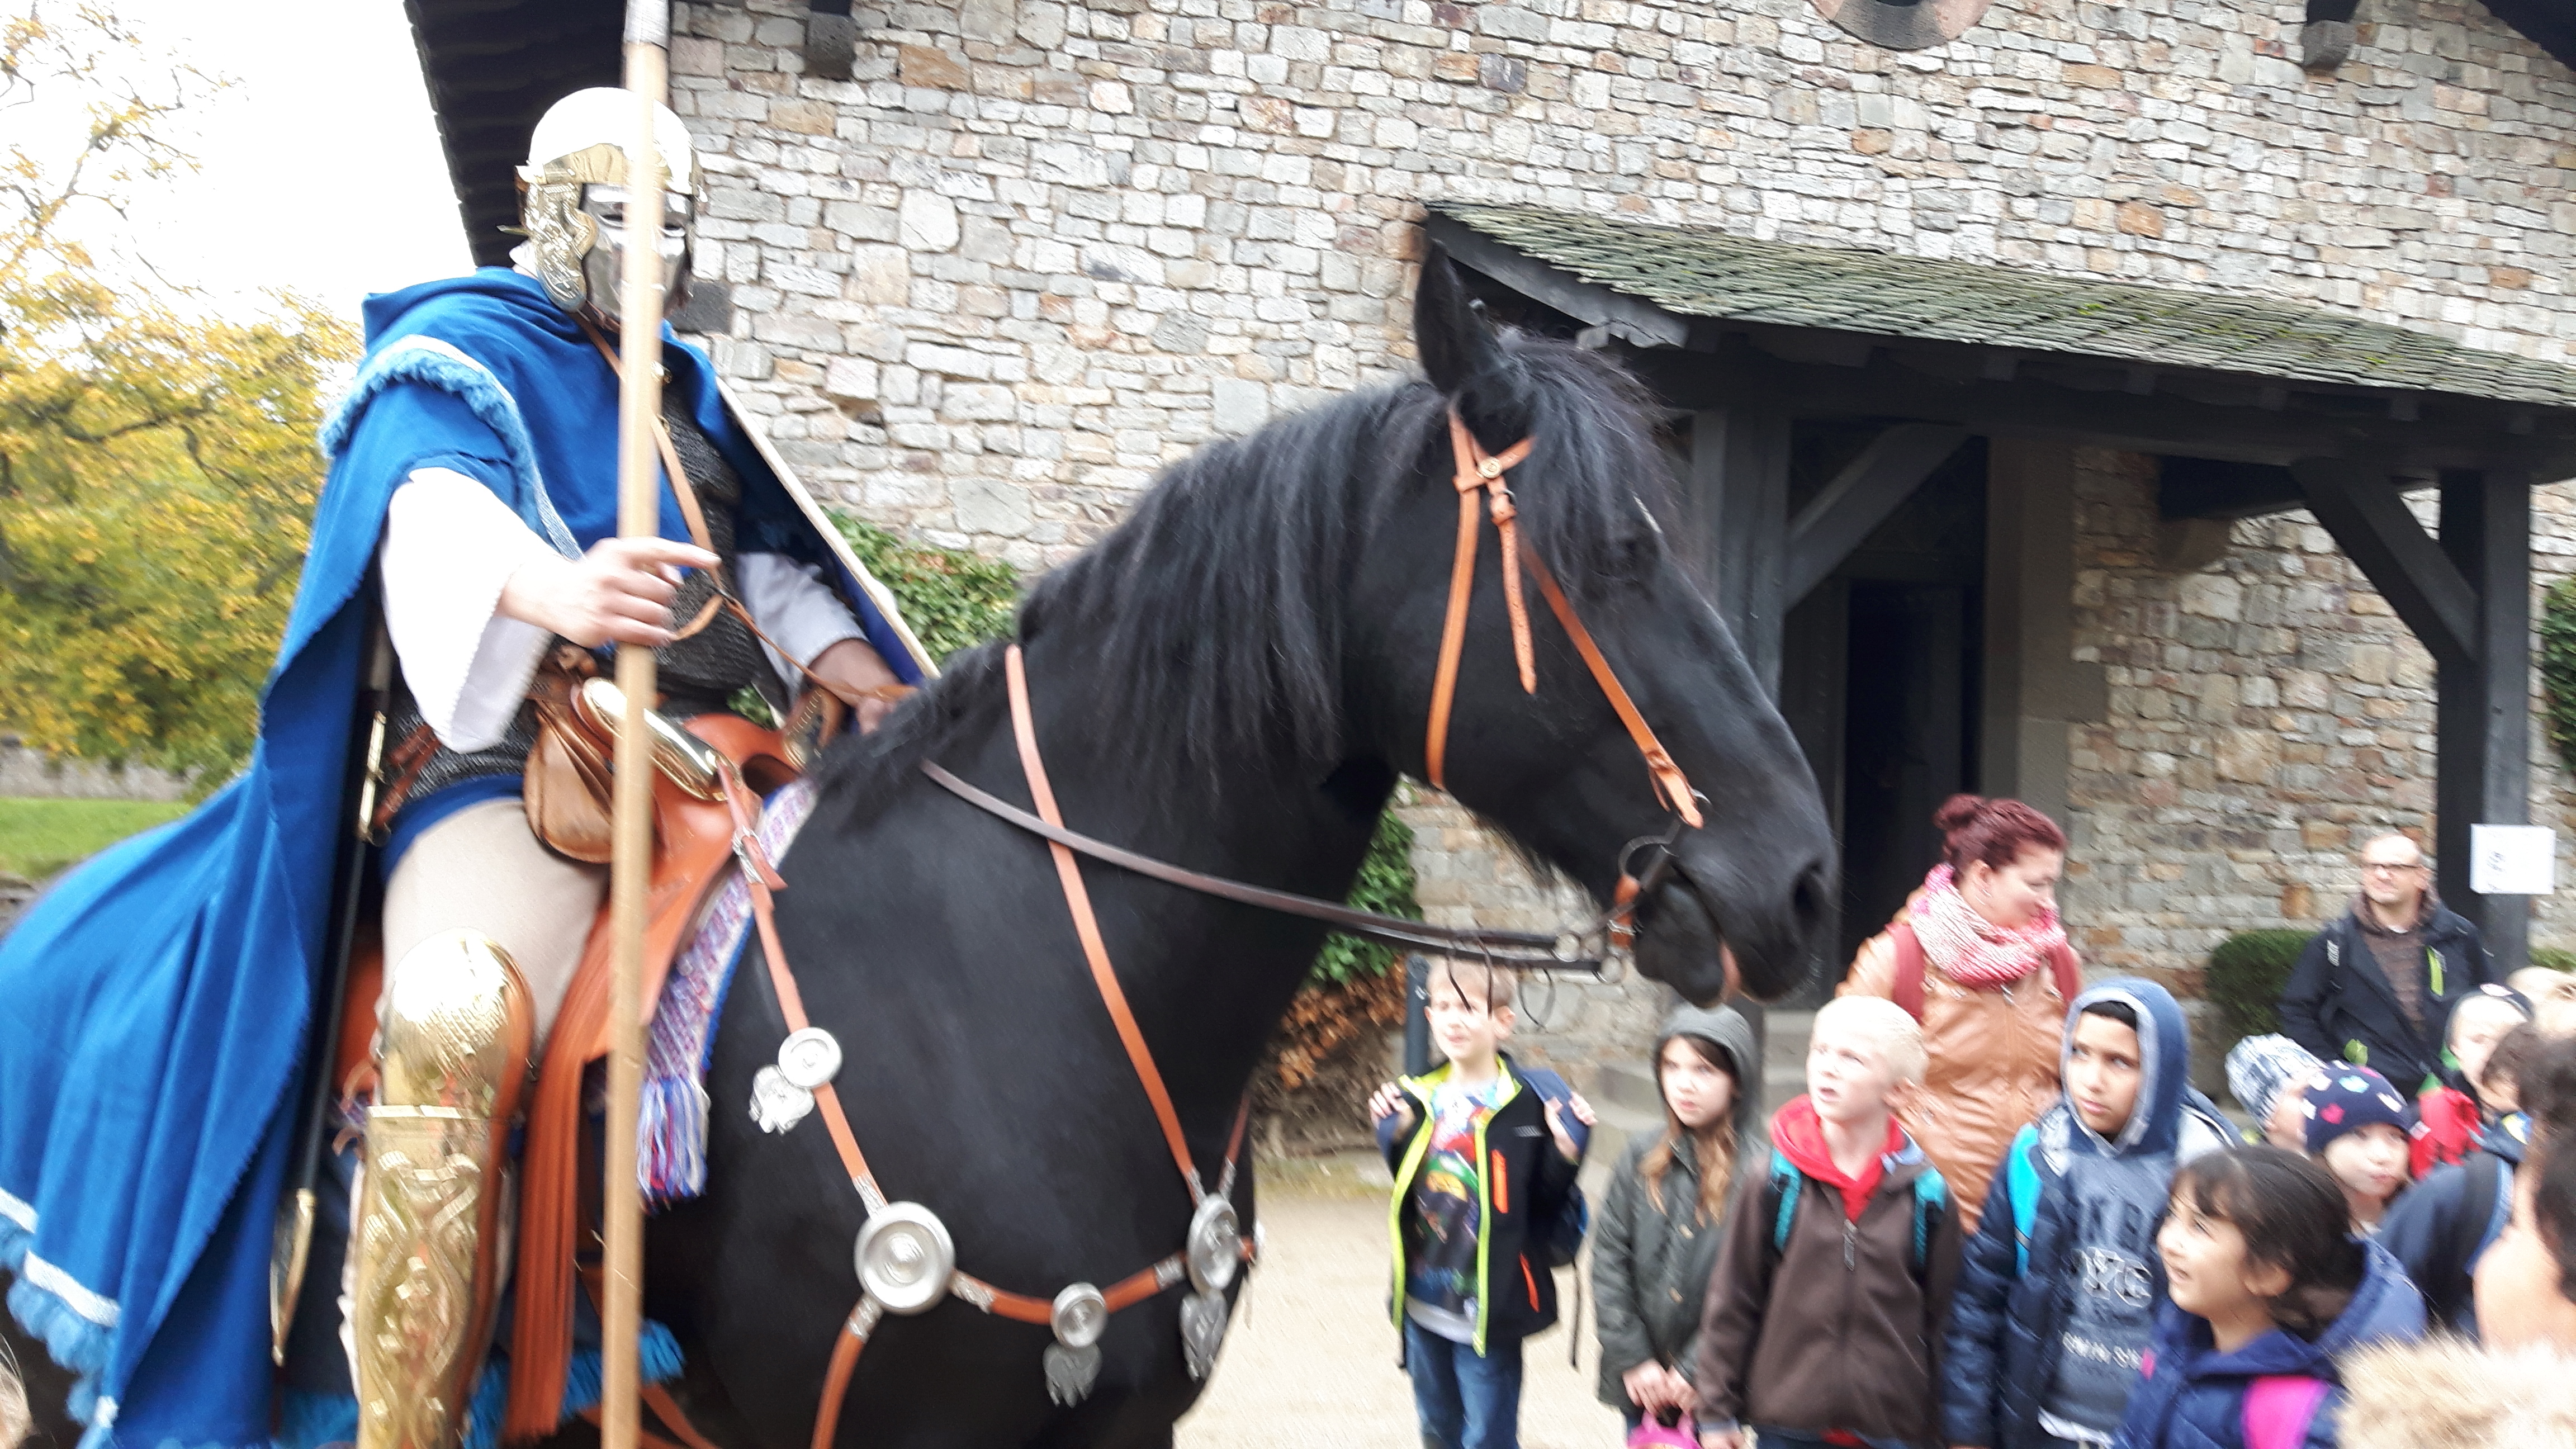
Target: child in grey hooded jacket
{"x": 1655, "y": 1241}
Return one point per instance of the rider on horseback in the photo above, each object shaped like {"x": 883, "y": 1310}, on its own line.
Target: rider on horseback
{"x": 473, "y": 490}
{"x": 483, "y": 921}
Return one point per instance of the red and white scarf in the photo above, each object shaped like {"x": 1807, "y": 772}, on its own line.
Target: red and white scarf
{"x": 1971, "y": 950}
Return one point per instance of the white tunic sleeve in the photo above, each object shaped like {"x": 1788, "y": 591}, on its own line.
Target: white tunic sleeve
{"x": 794, "y": 607}
{"x": 449, "y": 547}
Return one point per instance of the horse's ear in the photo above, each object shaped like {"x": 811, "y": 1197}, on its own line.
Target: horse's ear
{"x": 1452, "y": 339}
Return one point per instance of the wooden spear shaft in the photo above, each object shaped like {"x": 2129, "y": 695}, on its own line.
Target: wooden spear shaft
{"x": 639, "y": 515}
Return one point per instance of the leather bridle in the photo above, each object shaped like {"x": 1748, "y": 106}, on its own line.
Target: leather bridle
{"x": 1477, "y": 471}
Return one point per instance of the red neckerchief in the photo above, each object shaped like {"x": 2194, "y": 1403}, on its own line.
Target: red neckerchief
{"x": 1800, "y": 1134}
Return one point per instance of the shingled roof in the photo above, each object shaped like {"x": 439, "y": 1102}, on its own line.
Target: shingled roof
{"x": 1699, "y": 272}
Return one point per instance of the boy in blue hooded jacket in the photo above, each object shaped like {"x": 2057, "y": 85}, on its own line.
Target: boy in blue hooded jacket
{"x": 2057, "y": 1290}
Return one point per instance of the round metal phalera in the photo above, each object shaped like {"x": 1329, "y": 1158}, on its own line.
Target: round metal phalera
{"x": 1216, "y": 1244}
{"x": 1081, "y": 1316}
{"x": 905, "y": 1257}
{"x": 809, "y": 1058}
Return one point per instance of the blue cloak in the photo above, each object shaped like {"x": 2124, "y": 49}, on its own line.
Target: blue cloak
{"x": 159, "y": 995}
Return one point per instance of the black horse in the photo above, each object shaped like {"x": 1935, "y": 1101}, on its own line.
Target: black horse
{"x": 1232, "y": 681}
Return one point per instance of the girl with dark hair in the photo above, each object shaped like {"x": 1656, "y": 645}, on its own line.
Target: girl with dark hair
{"x": 2265, "y": 1288}
{"x": 1978, "y": 956}
{"x": 1655, "y": 1242}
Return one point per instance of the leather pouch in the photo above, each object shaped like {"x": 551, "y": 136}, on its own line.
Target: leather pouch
{"x": 567, "y": 790}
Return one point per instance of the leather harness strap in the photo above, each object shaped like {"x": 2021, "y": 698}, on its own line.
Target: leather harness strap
{"x": 1476, "y": 470}
{"x": 1670, "y": 783}
{"x": 1077, "y": 900}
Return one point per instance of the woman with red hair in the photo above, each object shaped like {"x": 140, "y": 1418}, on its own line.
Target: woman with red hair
{"x": 1977, "y": 955}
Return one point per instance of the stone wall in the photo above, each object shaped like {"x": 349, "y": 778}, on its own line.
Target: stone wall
{"x": 2268, "y": 714}
{"x": 1036, "y": 249}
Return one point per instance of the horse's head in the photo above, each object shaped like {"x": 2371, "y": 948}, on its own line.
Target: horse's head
{"x": 1557, "y": 769}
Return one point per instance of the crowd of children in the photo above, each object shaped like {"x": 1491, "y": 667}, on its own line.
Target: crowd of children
{"x": 2141, "y": 1276}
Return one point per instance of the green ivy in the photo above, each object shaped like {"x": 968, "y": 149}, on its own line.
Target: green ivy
{"x": 954, "y": 599}
{"x": 2558, "y": 666}
{"x": 2246, "y": 974}
{"x": 2556, "y": 958}
{"x": 1386, "y": 887}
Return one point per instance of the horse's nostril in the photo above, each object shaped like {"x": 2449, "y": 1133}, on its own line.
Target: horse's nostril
{"x": 1807, "y": 899}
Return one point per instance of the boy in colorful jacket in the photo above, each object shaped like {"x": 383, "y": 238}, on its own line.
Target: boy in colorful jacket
{"x": 1484, "y": 1155}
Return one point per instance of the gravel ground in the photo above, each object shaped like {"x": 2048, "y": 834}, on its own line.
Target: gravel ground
{"x": 1310, "y": 1360}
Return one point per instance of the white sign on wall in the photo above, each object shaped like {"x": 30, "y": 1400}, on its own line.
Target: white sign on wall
{"x": 2513, "y": 860}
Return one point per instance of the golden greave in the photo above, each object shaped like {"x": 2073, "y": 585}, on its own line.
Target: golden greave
{"x": 454, "y": 1032}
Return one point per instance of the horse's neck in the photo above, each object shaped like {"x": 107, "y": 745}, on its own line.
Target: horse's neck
{"x": 1183, "y": 958}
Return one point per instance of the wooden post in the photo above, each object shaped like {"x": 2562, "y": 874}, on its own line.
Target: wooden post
{"x": 2483, "y": 717}
{"x": 1739, "y": 505}
{"x": 639, "y": 511}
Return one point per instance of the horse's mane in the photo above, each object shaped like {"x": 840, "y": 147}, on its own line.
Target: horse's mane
{"x": 1210, "y": 621}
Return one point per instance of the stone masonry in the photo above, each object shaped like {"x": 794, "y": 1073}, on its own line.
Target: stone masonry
{"x": 1034, "y": 250}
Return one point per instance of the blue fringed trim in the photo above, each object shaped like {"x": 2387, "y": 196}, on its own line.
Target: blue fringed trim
{"x": 74, "y": 1342}
{"x": 308, "y": 1420}
{"x": 671, "y": 1133}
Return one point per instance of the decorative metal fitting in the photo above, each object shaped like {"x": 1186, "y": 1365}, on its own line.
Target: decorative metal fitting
{"x": 1081, "y": 1315}
{"x": 1215, "y": 1244}
{"x": 778, "y": 1104}
{"x": 809, "y": 1058}
{"x": 905, "y": 1257}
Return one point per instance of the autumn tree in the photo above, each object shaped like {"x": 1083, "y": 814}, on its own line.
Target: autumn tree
{"x": 157, "y": 466}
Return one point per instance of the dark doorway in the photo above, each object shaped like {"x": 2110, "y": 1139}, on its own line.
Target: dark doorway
{"x": 1905, "y": 742}
{"x": 1879, "y": 680}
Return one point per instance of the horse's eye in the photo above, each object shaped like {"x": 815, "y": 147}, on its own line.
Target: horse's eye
{"x": 1633, "y": 557}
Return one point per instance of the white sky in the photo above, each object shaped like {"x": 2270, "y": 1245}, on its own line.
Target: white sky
{"x": 319, "y": 172}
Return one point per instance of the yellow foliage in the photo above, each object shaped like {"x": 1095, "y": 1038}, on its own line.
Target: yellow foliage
{"x": 157, "y": 469}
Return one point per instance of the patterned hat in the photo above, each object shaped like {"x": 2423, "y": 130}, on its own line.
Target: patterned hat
{"x": 2345, "y": 1098}
{"x": 2260, "y": 1066}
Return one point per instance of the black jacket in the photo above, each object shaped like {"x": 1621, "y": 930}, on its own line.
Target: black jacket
{"x": 2339, "y": 1006}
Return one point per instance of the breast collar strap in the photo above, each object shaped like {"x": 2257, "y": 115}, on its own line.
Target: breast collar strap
{"x": 1478, "y": 470}
{"x": 1135, "y": 1288}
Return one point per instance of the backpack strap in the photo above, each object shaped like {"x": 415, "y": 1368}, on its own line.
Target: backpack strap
{"x": 2280, "y": 1407}
{"x": 1931, "y": 1199}
{"x": 2481, "y": 1183}
{"x": 1785, "y": 1180}
{"x": 1906, "y": 987}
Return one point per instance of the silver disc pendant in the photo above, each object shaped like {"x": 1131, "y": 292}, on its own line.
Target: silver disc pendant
{"x": 1070, "y": 1372}
{"x": 1203, "y": 1318}
{"x": 777, "y": 1103}
{"x": 809, "y": 1058}
{"x": 905, "y": 1257}
{"x": 1215, "y": 1244}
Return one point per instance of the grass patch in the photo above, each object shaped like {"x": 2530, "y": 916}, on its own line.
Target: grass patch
{"x": 40, "y": 837}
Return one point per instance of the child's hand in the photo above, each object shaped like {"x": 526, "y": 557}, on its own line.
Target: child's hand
{"x": 1564, "y": 1139}
{"x": 1725, "y": 1439}
{"x": 1389, "y": 1101}
{"x": 1646, "y": 1387}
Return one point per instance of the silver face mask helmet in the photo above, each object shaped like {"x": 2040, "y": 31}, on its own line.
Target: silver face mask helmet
{"x": 573, "y": 201}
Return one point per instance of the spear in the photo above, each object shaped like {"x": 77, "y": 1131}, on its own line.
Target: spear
{"x": 639, "y": 403}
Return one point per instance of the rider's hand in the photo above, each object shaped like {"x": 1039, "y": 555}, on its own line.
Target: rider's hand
{"x": 619, "y": 592}
{"x": 853, "y": 668}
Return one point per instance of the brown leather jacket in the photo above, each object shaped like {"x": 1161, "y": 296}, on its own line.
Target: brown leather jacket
{"x": 1993, "y": 1068}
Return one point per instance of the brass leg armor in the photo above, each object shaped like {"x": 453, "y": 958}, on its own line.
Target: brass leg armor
{"x": 454, "y": 1033}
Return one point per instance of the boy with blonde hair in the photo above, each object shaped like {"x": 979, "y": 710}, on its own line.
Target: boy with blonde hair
{"x": 1831, "y": 1294}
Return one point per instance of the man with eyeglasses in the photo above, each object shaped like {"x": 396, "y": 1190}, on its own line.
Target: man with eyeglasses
{"x": 2376, "y": 988}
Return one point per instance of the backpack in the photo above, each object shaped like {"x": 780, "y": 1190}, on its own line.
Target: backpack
{"x": 1931, "y": 1200}
{"x": 1907, "y": 988}
{"x": 2445, "y": 1288}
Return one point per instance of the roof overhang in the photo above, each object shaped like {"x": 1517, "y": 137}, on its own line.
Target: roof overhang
{"x": 2241, "y": 386}
{"x": 2551, "y": 24}
{"x": 493, "y": 66}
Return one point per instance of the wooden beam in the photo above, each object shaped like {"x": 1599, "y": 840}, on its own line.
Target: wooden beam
{"x": 2211, "y": 488}
{"x": 1630, "y": 318}
{"x": 1860, "y": 498}
{"x": 1739, "y": 487}
{"x": 2483, "y": 710}
{"x": 2371, "y": 524}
